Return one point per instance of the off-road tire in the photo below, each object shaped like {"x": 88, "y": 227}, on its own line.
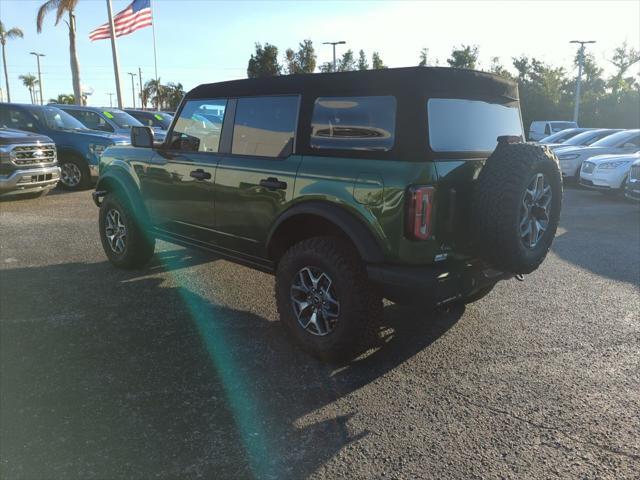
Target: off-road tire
{"x": 85, "y": 173}
{"x": 139, "y": 245}
{"x": 360, "y": 303}
{"x": 497, "y": 199}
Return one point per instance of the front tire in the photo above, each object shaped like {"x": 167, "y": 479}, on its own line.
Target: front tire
{"x": 124, "y": 240}
{"x": 325, "y": 300}
{"x": 74, "y": 174}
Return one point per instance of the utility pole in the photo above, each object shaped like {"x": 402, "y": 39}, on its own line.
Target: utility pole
{"x": 140, "y": 80}
{"x": 576, "y": 108}
{"x": 38, "y": 55}
{"x": 114, "y": 52}
{"x": 341, "y": 42}
{"x": 110, "y": 99}
{"x": 133, "y": 88}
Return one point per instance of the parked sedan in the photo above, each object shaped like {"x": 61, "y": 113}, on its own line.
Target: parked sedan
{"x": 632, "y": 187}
{"x": 620, "y": 143}
{"x": 607, "y": 173}
{"x": 562, "y": 136}
{"x": 106, "y": 120}
{"x": 585, "y": 139}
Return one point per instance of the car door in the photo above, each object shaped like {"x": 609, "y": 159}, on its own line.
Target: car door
{"x": 178, "y": 184}
{"x": 256, "y": 180}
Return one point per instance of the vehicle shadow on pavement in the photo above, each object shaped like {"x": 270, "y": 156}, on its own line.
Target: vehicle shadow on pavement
{"x": 112, "y": 374}
{"x": 592, "y": 230}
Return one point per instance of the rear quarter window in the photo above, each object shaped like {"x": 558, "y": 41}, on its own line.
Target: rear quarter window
{"x": 354, "y": 123}
{"x": 458, "y": 125}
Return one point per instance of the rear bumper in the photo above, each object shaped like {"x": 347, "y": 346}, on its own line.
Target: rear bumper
{"x": 433, "y": 285}
{"x": 29, "y": 180}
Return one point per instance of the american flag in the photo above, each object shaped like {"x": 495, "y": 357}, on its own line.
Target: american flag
{"x": 137, "y": 15}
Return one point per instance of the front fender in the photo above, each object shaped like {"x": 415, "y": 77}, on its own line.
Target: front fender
{"x": 118, "y": 177}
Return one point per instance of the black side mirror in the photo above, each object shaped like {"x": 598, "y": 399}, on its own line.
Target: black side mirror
{"x": 142, "y": 137}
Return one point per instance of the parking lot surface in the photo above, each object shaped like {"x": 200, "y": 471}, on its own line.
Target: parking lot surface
{"x": 182, "y": 370}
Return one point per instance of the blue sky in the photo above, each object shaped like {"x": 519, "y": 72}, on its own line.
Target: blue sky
{"x": 206, "y": 41}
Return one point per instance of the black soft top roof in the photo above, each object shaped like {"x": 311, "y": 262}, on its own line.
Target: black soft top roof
{"x": 415, "y": 81}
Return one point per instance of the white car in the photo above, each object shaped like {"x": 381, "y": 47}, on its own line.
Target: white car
{"x": 540, "y": 129}
{"x": 607, "y": 173}
{"x": 571, "y": 158}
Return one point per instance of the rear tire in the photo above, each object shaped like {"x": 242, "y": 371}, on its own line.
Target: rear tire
{"x": 320, "y": 272}
{"x": 124, "y": 239}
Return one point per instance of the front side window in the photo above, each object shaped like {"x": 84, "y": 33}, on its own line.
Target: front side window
{"x": 265, "y": 126}
{"x": 457, "y": 125}
{"x": 199, "y": 126}
{"x": 354, "y": 123}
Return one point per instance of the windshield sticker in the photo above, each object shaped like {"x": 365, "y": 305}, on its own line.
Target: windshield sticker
{"x": 108, "y": 115}
{"x": 158, "y": 116}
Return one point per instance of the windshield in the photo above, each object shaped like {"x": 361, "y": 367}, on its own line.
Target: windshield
{"x": 562, "y": 136}
{"x": 122, "y": 119}
{"x": 587, "y": 138}
{"x": 154, "y": 119}
{"x": 56, "y": 119}
{"x": 457, "y": 125}
{"x": 615, "y": 139}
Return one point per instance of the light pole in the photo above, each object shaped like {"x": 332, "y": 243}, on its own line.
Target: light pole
{"x": 133, "y": 88}
{"x": 38, "y": 55}
{"x": 110, "y": 99}
{"x": 341, "y": 42}
{"x": 576, "y": 108}
{"x": 140, "y": 84}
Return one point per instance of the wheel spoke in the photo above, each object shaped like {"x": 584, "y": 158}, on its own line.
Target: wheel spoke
{"x": 314, "y": 301}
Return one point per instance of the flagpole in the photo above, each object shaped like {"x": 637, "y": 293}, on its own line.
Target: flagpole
{"x": 114, "y": 51}
{"x": 155, "y": 55}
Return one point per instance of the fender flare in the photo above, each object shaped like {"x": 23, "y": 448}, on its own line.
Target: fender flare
{"x": 119, "y": 179}
{"x": 361, "y": 236}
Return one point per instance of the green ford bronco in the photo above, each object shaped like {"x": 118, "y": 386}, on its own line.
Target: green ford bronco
{"x": 411, "y": 184}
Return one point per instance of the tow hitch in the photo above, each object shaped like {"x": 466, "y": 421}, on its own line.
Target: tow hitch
{"x": 520, "y": 277}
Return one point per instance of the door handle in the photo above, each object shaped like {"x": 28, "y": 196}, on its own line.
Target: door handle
{"x": 272, "y": 183}
{"x": 200, "y": 174}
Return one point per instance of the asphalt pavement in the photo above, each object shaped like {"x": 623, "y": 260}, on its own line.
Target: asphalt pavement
{"x": 181, "y": 370}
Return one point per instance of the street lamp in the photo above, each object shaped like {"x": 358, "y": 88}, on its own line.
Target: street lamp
{"x": 576, "y": 108}
{"x": 38, "y": 55}
{"x": 133, "y": 88}
{"x": 341, "y": 42}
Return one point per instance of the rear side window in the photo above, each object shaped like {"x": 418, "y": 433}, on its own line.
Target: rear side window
{"x": 265, "y": 126}
{"x": 457, "y": 125}
{"x": 354, "y": 123}
{"x": 199, "y": 126}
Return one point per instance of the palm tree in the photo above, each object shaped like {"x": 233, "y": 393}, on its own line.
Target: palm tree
{"x": 4, "y": 36}
{"x": 30, "y": 81}
{"x": 154, "y": 92}
{"x": 175, "y": 92}
{"x": 64, "y": 98}
{"x": 63, "y": 7}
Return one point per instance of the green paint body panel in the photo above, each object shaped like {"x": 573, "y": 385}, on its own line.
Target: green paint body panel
{"x": 232, "y": 211}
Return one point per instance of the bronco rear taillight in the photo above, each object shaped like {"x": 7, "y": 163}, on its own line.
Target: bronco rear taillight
{"x": 419, "y": 212}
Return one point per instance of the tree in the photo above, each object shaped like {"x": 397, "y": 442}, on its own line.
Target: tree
{"x": 264, "y": 63}
{"x": 5, "y": 35}
{"x": 174, "y": 94}
{"x": 162, "y": 97}
{"x": 63, "y": 7}
{"x": 31, "y": 82}
{"x": 623, "y": 58}
{"x": 302, "y": 61}
{"x": 347, "y": 63}
{"x": 424, "y": 58}
{"x": 464, "y": 57}
{"x": 362, "y": 61}
{"x": 497, "y": 68}
{"x": 377, "y": 61}
{"x": 326, "y": 67}
{"x": 64, "y": 99}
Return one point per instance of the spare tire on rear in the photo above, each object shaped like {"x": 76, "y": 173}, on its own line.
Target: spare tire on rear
{"x": 516, "y": 206}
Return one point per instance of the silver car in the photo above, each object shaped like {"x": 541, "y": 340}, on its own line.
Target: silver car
{"x": 571, "y": 158}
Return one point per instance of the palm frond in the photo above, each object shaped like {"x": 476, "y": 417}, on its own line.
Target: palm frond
{"x": 60, "y": 6}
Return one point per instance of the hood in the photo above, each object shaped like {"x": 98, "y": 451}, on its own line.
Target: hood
{"x": 102, "y": 136}
{"x": 607, "y": 158}
{"x": 9, "y": 136}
